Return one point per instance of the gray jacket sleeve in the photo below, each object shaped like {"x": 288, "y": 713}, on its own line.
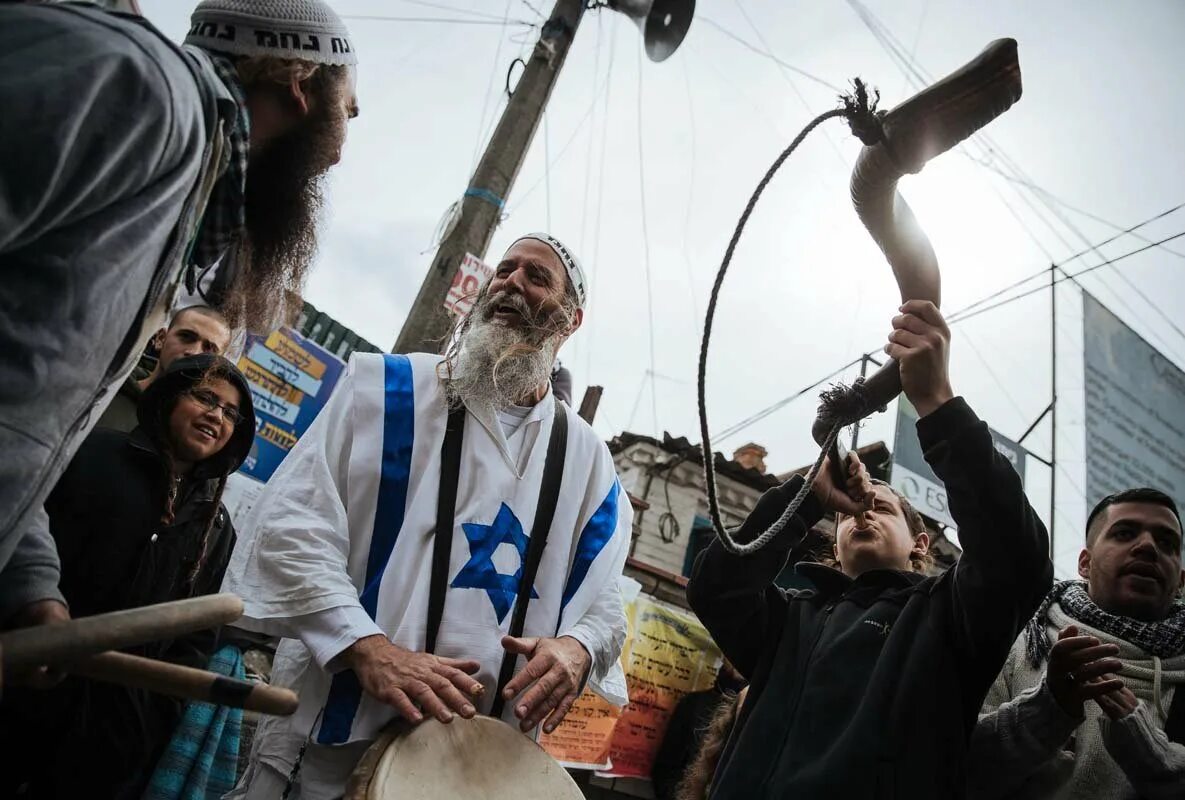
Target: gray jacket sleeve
{"x": 1154, "y": 766}
{"x": 1015, "y": 736}
{"x": 33, "y": 570}
{"x": 102, "y": 131}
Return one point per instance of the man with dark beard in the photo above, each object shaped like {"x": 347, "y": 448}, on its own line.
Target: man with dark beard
{"x": 441, "y": 518}
{"x": 131, "y": 167}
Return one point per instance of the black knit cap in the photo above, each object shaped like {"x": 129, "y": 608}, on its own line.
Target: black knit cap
{"x": 184, "y": 374}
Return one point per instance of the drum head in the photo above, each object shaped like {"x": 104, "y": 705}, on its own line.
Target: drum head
{"x": 467, "y": 759}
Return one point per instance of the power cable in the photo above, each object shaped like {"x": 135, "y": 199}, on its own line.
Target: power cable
{"x": 917, "y": 36}
{"x": 580, "y": 127}
{"x": 546, "y": 170}
{"x": 592, "y": 126}
{"x": 713, "y": 24}
{"x": 1044, "y": 270}
{"x": 690, "y": 188}
{"x": 482, "y": 133}
{"x": 450, "y": 20}
{"x": 1049, "y": 196}
{"x": 456, "y": 9}
{"x": 737, "y": 427}
{"x": 646, "y": 243}
{"x": 968, "y": 312}
{"x": 1065, "y": 278}
{"x": 600, "y": 203}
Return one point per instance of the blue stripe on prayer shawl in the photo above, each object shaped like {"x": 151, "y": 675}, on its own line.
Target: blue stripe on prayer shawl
{"x": 593, "y": 539}
{"x": 399, "y": 425}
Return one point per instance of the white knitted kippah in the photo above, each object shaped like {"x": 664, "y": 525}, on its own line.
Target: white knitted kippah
{"x": 305, "y": 29}
{"x": 567, "y": 258}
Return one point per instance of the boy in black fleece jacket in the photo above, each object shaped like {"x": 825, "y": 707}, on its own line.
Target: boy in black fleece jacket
{"x": 869, "y": 685}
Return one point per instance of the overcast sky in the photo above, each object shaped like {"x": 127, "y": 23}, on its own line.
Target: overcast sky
{"x": 1099, "y": 128}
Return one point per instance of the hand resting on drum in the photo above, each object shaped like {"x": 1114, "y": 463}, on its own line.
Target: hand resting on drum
{"x": 555, "y": 673}
{"x": 402, "y": 679}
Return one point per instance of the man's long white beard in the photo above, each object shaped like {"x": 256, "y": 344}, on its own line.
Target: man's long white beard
{"x": 499, "y": 365}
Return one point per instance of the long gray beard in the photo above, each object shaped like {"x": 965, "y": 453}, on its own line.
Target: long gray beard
{"x": 499, "y": 365}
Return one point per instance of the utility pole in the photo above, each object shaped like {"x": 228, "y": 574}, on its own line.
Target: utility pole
{"x": 428, "y": 323}
{"x": 588, "y": 406}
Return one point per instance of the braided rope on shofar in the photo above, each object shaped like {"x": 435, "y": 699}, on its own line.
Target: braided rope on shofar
{"x": 864, "y": 120}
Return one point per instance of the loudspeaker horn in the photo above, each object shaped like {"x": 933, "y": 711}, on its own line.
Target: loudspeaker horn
{"x": 663, "y": 23}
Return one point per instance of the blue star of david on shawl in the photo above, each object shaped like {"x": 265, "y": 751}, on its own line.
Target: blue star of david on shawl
{"x": 480, "y": 573}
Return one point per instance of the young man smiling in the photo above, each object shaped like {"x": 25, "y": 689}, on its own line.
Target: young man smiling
{"x": 877, "y": 667}
{"x": 1089, "y": 703}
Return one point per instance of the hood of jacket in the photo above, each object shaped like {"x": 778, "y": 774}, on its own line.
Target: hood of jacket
{"x": 182, "y": 375}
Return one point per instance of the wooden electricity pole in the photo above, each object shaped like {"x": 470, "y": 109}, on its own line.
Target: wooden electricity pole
{"x": 428, "y": 323}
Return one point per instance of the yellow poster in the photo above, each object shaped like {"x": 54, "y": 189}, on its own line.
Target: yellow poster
{"x": 672, "y": 655}
{"x": 667, "y": 654}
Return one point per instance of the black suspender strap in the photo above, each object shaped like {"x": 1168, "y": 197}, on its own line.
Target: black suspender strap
{"x": 446, "y": 514}
{"x": 549, "y": 495}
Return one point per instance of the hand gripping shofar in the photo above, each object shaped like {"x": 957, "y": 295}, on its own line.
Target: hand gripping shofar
{"x": 897, "y": 143}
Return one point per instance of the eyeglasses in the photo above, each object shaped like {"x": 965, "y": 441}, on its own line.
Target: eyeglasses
{"x": 210, "y": 401}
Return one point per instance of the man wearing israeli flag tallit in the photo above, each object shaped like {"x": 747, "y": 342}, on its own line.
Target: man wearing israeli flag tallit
{"x": 387, "y": 612}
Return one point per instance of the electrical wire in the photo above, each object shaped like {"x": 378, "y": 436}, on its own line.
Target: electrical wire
{"x": 455, "y": 9}
{"x": 737, "y": 427}
{"x": 482, "y": 130}
{"x": 592, "y": 126}
{"x": 1070, "y": 259}
{"x": 580, "y": 127}
{"x": 690, "y": 187}
{"x": 713, "y": 24}
{"x": 969, "y": 312}
{"x": 450, "y": 20}
{"x": 600, "y": 205}
{"x": 1060, "y": 201}
{"x": 646, "y": 241}
{"x": 546, "y": 170}
{"x": 1066, "y": 277}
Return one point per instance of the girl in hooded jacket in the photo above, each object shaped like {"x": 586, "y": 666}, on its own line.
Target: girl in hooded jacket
{"x": 138, "y": 519}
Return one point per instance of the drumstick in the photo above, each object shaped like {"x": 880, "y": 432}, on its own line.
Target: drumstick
{"x": 87, "y": 636}
{"x": 176, "y": 680}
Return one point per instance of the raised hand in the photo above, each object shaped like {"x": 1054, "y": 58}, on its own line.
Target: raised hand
{"x": 554, "y": 672}
{"x": 920, "y": 342}
{"x": 1080, "y": 669}
{"x": 403, "y": 678}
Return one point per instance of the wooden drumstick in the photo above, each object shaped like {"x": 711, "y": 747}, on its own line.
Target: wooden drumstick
{"x": 176, "y": 680}
{"x": 77, "y": 639}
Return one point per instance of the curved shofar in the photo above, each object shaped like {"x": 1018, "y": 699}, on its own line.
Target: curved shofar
{"x": 924, "y": 126}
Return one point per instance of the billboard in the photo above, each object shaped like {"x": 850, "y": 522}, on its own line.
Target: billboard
{"x": 291, "y": 379}
{"x": 912, "y": 476}
{"x": 1135, "y": 410}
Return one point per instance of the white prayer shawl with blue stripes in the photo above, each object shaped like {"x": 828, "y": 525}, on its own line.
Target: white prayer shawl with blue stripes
{"x": 347, "y": 520}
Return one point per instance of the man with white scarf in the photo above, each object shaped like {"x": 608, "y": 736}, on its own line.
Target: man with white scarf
{"x": 1090, "y": 703}
{"x": 382, "y": 617}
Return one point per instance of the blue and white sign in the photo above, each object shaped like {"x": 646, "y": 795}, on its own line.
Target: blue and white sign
{"x": 291, "y": 379}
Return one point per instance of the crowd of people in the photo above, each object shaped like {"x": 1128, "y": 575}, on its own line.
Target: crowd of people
{"x": 447, "y": 538}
